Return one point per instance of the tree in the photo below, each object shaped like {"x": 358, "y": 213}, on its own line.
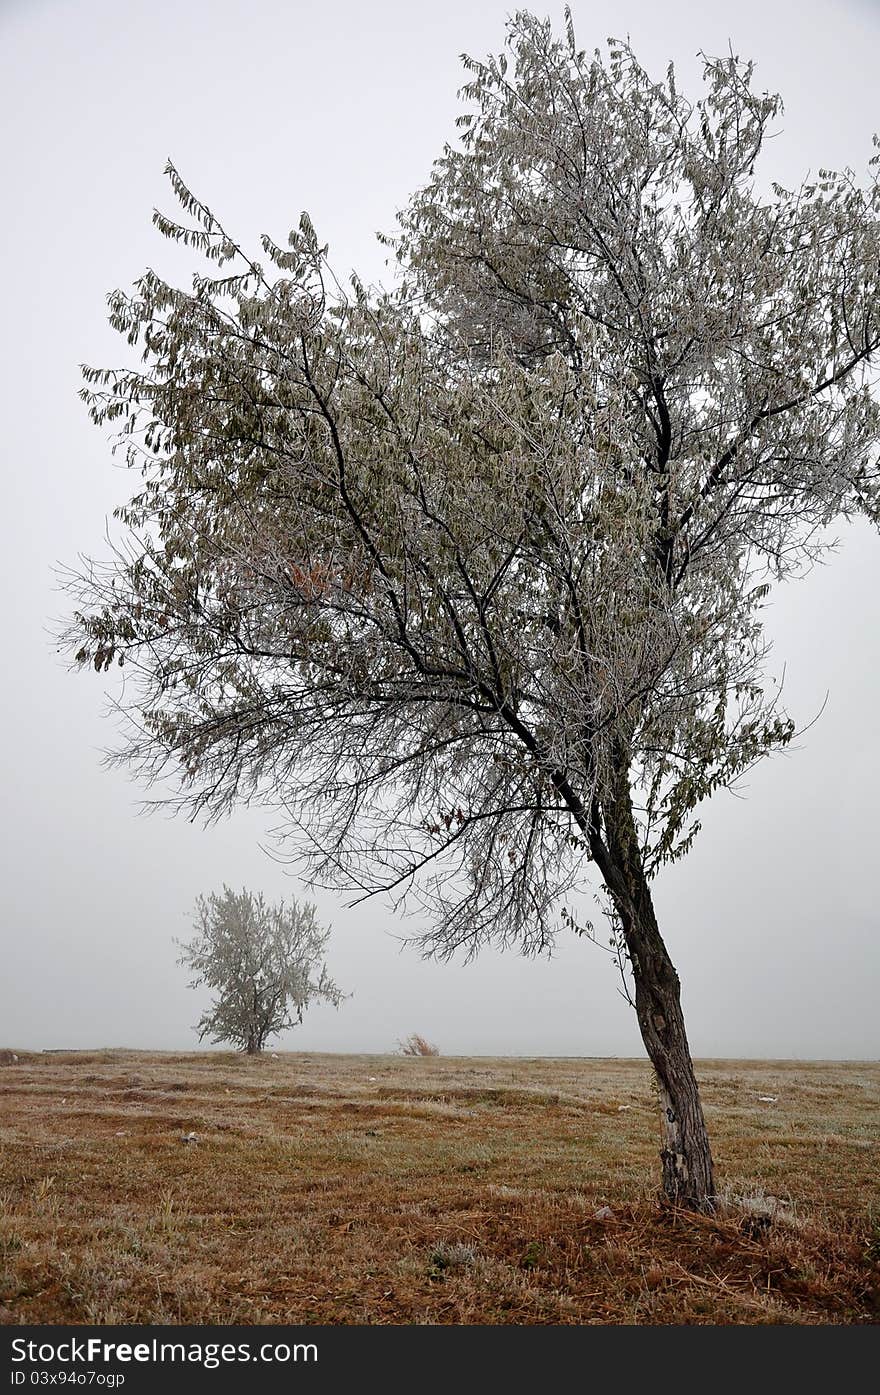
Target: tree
{"x": 261, "y": 961}
{"x": 467, "y": 576}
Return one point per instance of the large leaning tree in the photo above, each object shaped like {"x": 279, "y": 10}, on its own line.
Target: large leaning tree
{"x": 262, "y": 962}
{"x": 467, "y": 576}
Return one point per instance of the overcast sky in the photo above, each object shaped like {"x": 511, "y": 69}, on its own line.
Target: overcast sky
{"x": 340, "y": 107}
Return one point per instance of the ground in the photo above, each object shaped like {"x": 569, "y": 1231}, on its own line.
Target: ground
{"x": 137, "y": 1187}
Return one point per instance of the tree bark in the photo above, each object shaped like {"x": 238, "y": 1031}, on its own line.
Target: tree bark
{"x": 688, "y": 1177}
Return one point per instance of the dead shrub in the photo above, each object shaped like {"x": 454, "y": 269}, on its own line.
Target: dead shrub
{"x": 414, "y": 1045}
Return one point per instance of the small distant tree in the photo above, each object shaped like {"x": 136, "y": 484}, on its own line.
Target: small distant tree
{"x": 261, "y": 961}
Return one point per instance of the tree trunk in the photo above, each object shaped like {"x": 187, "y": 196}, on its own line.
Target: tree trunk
{"x": 686, "y": 1158}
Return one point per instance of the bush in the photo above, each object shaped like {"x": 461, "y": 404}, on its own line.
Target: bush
{"x": 415, "y": 1045}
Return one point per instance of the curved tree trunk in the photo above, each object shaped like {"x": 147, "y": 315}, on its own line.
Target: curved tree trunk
{"x": 688, "y": 1178}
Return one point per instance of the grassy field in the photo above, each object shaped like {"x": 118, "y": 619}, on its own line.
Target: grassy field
{"x": 388, "y": 1189}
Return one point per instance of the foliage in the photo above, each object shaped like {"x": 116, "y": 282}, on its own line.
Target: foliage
{"x": 262, "y": 963}
{"x": 433, "y": 569}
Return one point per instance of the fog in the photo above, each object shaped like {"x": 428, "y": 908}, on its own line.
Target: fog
{"x": 266, "y": 109}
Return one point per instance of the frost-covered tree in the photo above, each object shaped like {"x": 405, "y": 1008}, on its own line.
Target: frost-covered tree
{"x": 466, "y": 577}
{"x": 262, "y": 963}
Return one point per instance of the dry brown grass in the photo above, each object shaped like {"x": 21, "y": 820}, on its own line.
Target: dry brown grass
{"x": 388, "y": 1189}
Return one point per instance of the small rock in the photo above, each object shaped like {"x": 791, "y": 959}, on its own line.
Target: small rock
{"x": 121, "y": 1133}
{"x": 372, "y": 1077}
{"x": 604, "y": 1213}
{"x": 189, "y": 1138}
{"x": 768, "y": 1099}
{"x": 622, "y": 1107}
{"x": 274, "y": 1055}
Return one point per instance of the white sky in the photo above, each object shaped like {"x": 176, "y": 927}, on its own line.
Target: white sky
{"x": 268, "y": 108}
